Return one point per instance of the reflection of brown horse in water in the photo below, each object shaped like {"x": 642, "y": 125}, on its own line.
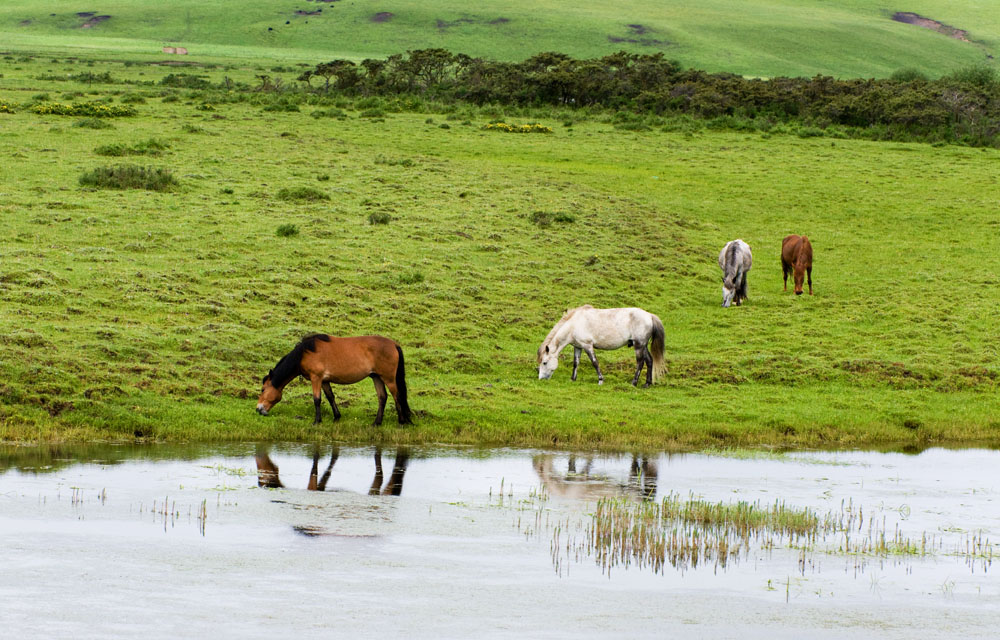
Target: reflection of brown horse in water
{"x": 797, "y": 258}
{"x": 324, "y": 359}
{"x": 583, "y": 484}
{"x": 267, "y": 472}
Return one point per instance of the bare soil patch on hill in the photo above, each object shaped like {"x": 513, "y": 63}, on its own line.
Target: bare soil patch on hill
{"x": 382, "y": 16}
{"x": 920, "y": 21}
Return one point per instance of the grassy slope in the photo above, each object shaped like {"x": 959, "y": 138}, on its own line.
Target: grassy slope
{"x": 140, "y": 313}
{"x": 846, "y": 38}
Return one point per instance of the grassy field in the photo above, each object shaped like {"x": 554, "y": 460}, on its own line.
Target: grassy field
{"x": 135, "y": 313}
{"x": 845, "y": 38}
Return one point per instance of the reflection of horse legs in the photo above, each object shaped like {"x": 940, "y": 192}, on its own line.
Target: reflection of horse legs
{"x": 642, "y": 475}
{"x": 576, "y": 362}
{"x": 395, "y": 485}
{"x": 593, "y": 358}
{"x": 320, "y": 484}
{"x": 267, "y": 471}
{"x": 377, "y": 480}
{"x": 333, "y": 403}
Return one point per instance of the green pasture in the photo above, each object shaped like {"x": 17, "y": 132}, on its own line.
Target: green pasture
{"x": 154, "y": 314}
{"x": 843, "y": 38}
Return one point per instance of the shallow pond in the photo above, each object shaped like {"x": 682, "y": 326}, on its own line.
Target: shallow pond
{"x": 255, "y": 540}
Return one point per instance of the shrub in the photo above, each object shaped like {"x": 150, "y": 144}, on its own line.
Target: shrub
{"x": 151, "y": 147}
{"x": 379, "y": 217}
{"x": 516, "y": 128}
{"x": 977, "y": 75}
{"x": 301, "y": 193}
{"x": 908, "y": 74}
{"x": 93, "y": 123}
{"x": 133, "y": 99}
{"x": 286, "y": 230}
{"x": 92, "y": 109}
{"x": 329, "y": 113}
{"x": 129, "y": 177}
{"x": 185, "y": 81}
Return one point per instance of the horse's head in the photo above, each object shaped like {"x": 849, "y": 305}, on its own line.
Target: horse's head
{"x": 728, "y": 292}
{"x": 800, "y": 275}
{"x": 547, "y": 362}
{"x": 270, "y": 395}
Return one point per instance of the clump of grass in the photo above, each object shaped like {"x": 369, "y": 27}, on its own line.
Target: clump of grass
{"x": 93, "y": 123}
{"x": 129, "y": 177}
{"x": 394, "y": 162}
{"x": 133, "y": 99}
{"x": 287, "y": 230}
{"x": 533, "y": 127}
{"x": 193, "y": 128}
{"x": 151, "y": 147}
{"x": 308, "y": 194}
{"x": 546, "y": 218}
{"x": 379, "y": 217}
{"x": 411, "y": 277}
{"x": 329, "y": 113}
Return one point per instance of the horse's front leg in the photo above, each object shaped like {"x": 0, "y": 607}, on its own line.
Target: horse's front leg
{"x": 593, "y": 358}
{"x": 317, "y": 399}
{"x": 328, "y": 392}
{"x": 809, "y": 273}
{"x": 576, "y": 362}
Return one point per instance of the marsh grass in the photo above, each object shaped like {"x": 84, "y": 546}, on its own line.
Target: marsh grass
{"x": 684, "y": 533}
{"x": 129, "y": 177}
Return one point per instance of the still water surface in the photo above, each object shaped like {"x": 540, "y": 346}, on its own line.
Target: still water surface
{"x": 256, "y": 540}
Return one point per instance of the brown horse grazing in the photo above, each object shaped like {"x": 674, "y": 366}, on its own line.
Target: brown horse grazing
{"x": 797, "y": 257}
{"x": 324, "y": 359}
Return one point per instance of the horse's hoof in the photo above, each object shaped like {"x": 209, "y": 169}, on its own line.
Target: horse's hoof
{"x": 600, "y": 382}
{"x": 647, "y": 385}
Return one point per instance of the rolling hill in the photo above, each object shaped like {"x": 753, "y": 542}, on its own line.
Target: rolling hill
{"x": 843, "y": 38}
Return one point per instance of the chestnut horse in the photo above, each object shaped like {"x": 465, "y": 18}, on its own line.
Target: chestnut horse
{"x": 797, "y": 258}
{"x": 324, "y": 359}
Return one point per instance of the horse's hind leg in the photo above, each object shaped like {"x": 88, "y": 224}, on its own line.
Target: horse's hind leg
{"x": 649, "y": 366}
{"x": 785, "y": 269}
{"x": 317, "y": 399}
{"x": 576, "y": 362}
{"x": 382, "y": 396}
{"x": 741, "y": 295}
{"x": 593, "y": 359}
{"x": 640, "y": 360}
{"x": 333, "y": 403}
{"x": 394, "y": 390}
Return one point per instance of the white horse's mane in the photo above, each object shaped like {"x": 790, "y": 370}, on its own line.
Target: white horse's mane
{"x": 566, "y": 316}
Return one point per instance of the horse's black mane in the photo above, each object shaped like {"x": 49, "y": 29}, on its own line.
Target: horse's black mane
{"x": 291, "y": 365}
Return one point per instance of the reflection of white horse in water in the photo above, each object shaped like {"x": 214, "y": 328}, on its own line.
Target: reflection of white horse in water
{"x": 581, "y": 483}
{"x": 587, "y": 328}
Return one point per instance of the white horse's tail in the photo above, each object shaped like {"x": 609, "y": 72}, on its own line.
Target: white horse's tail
{"x": 658, "y": 348}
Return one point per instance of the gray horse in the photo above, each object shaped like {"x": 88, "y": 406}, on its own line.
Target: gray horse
{"x": 735, "y": 261}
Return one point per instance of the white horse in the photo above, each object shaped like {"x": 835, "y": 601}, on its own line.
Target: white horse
{"x": 587, "y": 328}
{"x": 735, "y": 260}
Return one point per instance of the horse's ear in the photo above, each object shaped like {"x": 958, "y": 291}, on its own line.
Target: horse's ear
{"x": 546, "y": 348}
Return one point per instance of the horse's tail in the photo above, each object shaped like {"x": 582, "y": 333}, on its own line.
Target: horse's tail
{"x": 659, "y": 348}
{"x": 401, "y": 404}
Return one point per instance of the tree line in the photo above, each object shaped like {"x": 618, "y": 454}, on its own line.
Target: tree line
{"x": 962, "y": 107}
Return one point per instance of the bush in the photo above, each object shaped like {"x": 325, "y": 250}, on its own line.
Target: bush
{"x": 329, "y": 113}
{"x": 301, "y": 193}
{"x": 185, "y": 81}
{"x": 129, "y": 176}
{"x": 93, "y": 123}
{"x": 133, "y": 99}
{"x": 92, "y": 109}
{"x": 908, "y": 75}
{"x": 151, "y": 147}
{"x": 286, "y": 230}
{"x": 980, "y": 76}
{"x": 379, "y": 217}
